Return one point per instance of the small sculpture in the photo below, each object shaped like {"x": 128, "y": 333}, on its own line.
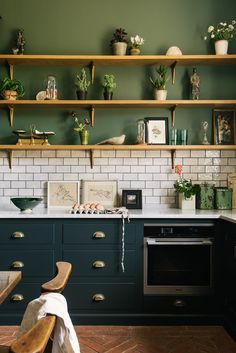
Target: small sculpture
{"x": 20, "y": 43}
{"x": 117, "y": 140}
{"x": 195, "y": 84}
{"x": 174, "y": 51}
{"x": 205, "y": 128}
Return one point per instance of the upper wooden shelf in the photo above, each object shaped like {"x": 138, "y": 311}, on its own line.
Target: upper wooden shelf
{"x": 110, "y": 60}
{"x": 120, "y": 103}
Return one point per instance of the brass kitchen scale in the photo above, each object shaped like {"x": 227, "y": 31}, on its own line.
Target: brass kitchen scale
{"x": 33, "y": 137}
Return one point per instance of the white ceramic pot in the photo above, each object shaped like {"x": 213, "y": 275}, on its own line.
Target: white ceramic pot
{"x": 119, "y": 48}
{"x": 160, "y": 94}
{"x": 10, "y": 95}
{"x": 187, "y": 204}
{"x": 221, "y": 47}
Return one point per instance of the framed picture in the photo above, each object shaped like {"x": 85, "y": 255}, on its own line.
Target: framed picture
{"x": 102, "y": 191}
{"x": 132, "y": 199}
{"x": 156, "y": 131}
{"x": 62, "y": 194}
{"x": 224, "y": 126}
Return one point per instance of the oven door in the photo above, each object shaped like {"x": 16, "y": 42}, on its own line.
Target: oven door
{"x": 178, "y": 266}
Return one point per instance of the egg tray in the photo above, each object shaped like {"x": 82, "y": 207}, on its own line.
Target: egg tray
{"x": 87, "y": 211}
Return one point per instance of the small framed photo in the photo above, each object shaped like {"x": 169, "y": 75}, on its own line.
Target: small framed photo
{"x": 132, "y": 199}
{"x": 102, "y": 191}
{"x": 62, "y": 194}
{"x": 156, "y": 131}
{"x": 224, "y": 126}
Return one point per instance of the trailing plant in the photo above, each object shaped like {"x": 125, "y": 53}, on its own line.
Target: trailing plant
{"x": 109, "y": 83}
{"x": 119, "y": 36}
{"x": 162, "y": 77}
{"x": 81, "y": 82}
{"x": 8, "y": 84}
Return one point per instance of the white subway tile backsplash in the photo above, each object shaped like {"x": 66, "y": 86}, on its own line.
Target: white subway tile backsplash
{"x": 149, "y": 171}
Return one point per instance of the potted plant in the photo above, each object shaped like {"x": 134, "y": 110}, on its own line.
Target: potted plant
{"x": 109, "y": 85}
{"x": 221, "y": 34}
{"x": 82, "y": 128}
{"x": 159, "y": 83}
{"x": 11, "y": 89}
{"x": 119, "y": 41}
{"x": 135, "y": 43}
{"x": 185, "y": 189}
{"x": 82, "y": 84}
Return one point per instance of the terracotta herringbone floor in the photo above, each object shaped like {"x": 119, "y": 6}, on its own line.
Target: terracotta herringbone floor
{"x": 145, "y": 339}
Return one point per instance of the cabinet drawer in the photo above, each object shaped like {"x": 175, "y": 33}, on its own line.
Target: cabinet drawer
{"x": 97, "y": 233}
{"x": 27, "y": 233}
{"x": 20, "y": 296}
{"x": 33, "y": 263}
{"x": 112, "y": 296}
{"x": 100, "y": 262}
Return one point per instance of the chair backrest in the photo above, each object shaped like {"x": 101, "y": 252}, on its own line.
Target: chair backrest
{"x": 36, "y": 340}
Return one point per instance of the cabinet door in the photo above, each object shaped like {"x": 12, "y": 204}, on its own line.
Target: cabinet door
{"x": 230, "y": 270}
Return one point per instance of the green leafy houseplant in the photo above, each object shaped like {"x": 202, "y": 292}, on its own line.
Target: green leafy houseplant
{"x": 109, "y": 83}
{"x": 82, "y": 84}
{"x": 8, "y": 85}
{"x": 162, "y": 77}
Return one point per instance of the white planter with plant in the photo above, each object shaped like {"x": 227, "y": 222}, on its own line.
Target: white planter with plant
{"x": 82, "y": 84}
{"x": 159, "y": 83}
{"x": 135, "y": 43}
{"x": 186, "y": 191}
{"x": 108, "y": 85}
{"x": 221, "y": 35}
{"x": 119, "y": 42}
{"x": 11, "y": 89}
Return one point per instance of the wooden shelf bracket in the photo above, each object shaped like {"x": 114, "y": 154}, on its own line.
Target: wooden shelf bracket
{"x": 11, "y": 70}
{"x": 11, "y": 114}
{"x": 173, "y": 71}
{"x": 92, "y": 70}
{"x": 173, "y": 155}
{"x": 10, "y": 158}
{"x": 92, "y": 113}
{"x": 91, "y": 158}
{"x": 173, "y": 109}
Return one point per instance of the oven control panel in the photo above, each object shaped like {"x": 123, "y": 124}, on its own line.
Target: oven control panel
{"x": 179, "y": 230}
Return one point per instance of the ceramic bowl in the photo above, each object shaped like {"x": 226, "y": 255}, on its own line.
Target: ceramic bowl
{"x": 26, "y": 204}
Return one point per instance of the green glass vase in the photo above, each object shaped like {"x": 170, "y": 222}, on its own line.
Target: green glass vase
{"x": 84, "y": 137}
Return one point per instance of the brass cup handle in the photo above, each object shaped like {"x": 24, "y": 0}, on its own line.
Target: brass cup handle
{"x": 99, "y": 264}
{"x": 178, "y": 303}
{"x": 17, "y": 264}
{"x": 17, "y": 297}
{"x": 99, "y": 235}
{"x": 98, "y": 297}
{"x": 17, "y": 235}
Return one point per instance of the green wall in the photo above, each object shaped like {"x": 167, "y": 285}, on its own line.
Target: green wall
{"x": 79, "y": 27}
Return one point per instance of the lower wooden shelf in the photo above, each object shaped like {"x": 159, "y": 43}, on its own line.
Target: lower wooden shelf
{"x": 92, "y": 148}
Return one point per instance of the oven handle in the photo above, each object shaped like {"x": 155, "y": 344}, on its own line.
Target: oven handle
{"x": 172, "y": 242}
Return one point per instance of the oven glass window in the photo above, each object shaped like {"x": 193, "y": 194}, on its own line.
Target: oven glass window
{"x": 179, "y": 265}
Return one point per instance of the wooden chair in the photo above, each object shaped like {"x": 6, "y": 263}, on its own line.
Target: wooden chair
{"x": 37, "y": 340}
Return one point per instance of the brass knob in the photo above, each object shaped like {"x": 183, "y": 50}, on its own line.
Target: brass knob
{"x": 178, "y": 303}
{"x": 17, "y": 297}
{"x": 17, "y": 235}
{"x": 17, "y": 264}
{"x": 99, "y": 264}
{"x": 98, "y": 297}
{"x": 98, "y": 235}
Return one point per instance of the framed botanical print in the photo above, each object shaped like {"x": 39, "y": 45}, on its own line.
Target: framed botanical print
{"x": 101, "y": 191}
{"x": 156, "y": 131}
{"x": 224, "y": 126}
{"x": 62, "y": 194}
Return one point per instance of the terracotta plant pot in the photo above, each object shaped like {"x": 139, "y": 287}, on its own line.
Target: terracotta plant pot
{"x": 10, "y": 95}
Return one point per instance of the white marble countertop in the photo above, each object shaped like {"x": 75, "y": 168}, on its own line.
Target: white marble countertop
{"x": 149, "y": 212}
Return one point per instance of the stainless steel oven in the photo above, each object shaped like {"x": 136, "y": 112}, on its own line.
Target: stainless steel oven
{"x": 178, "y": 258}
